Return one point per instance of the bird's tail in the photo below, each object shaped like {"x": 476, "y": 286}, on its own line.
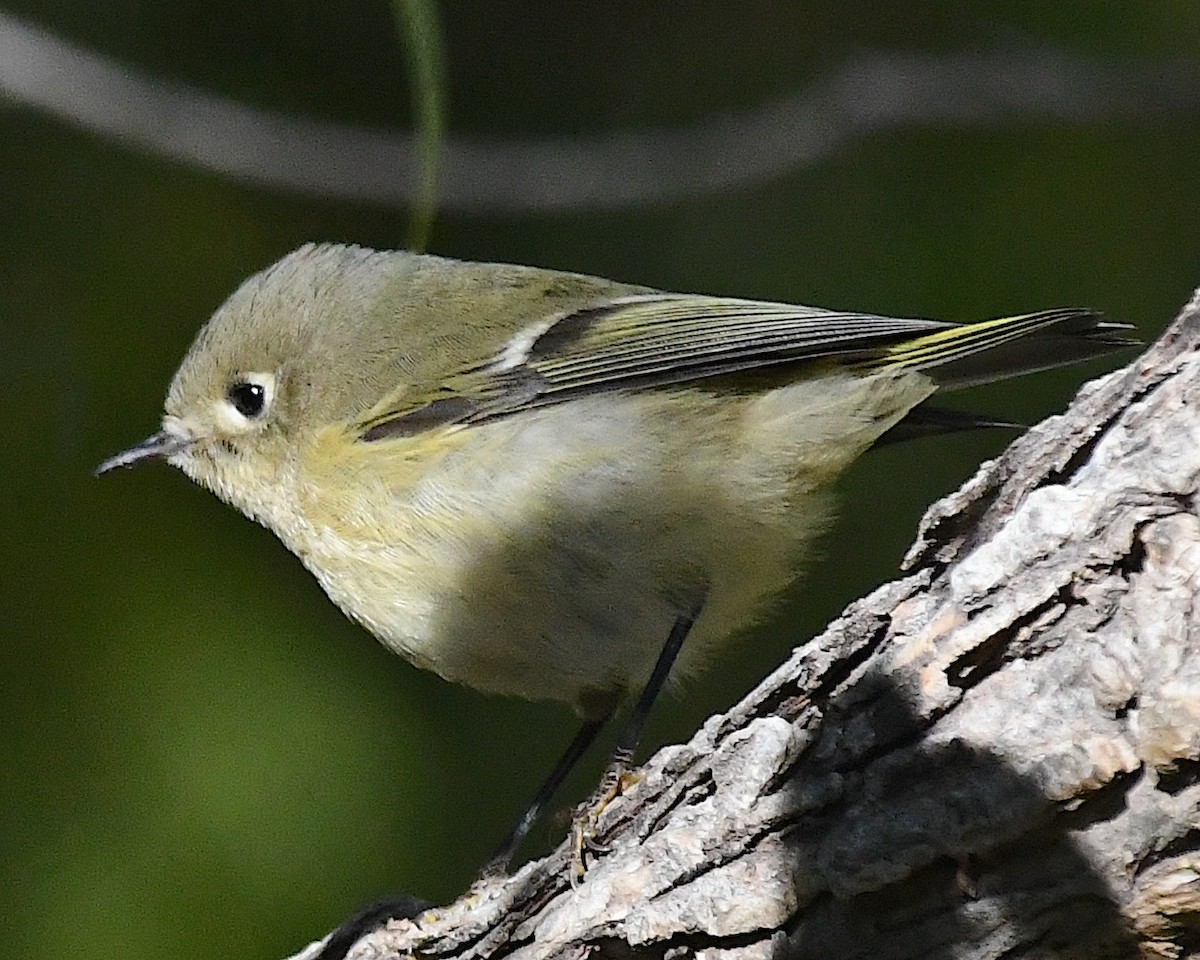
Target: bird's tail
{"x": 966, "y": 354}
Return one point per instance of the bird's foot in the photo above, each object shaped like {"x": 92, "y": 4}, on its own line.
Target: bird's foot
{"x": 618, "y": 778}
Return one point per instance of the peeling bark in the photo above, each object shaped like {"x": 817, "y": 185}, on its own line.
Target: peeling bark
{"x": 996, "y": 756}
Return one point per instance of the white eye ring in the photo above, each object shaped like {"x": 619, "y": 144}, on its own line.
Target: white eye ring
{"x": 248, "y": 399}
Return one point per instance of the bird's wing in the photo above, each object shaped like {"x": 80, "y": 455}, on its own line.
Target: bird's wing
{"x": 633, "y": 343}
{"x": 651, "y": 340}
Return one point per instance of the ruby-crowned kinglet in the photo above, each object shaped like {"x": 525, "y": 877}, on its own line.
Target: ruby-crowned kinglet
{"x": 528, "y": 480}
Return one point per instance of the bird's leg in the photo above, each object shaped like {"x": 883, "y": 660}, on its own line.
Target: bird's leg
{"x": 498, "y": 864}
{"x": 629, "y": 738}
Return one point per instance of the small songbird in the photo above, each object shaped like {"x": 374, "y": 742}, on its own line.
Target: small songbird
{"x": 553, "y": 485}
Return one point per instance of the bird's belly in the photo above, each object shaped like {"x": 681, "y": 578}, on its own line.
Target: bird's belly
{"x": 548, "y": 556}
{"x": 574, "y": 610}
{"x": 543, "y": 626}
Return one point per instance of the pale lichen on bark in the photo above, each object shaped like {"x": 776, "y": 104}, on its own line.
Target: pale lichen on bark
{"x": 996, "y": 756}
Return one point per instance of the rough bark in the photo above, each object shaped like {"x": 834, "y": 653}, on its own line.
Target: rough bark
{"x": 996, "y": 756}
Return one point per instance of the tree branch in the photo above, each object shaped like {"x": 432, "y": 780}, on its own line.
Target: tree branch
{"x": 996, "y": 756}
{"x": 869, "y": 94}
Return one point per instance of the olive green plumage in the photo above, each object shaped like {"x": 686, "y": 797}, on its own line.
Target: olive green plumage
{"x": 519, "y": 478}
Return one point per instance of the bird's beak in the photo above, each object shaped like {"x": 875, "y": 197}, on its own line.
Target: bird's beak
{"x": 158, "y": 446}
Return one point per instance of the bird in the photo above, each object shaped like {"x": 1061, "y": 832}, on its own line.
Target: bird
{"x": 551, "y": 485}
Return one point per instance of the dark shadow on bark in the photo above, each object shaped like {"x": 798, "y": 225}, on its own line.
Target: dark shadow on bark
{"x": 941, "y": 851}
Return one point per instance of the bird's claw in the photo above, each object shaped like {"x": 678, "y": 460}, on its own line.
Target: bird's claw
{"x": 617, "y": 779}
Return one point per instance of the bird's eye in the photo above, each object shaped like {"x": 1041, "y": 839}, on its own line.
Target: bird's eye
{"x": 248, "y": 399}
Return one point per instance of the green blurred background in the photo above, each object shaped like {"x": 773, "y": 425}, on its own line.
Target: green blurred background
{"x": 199, "y": 755}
